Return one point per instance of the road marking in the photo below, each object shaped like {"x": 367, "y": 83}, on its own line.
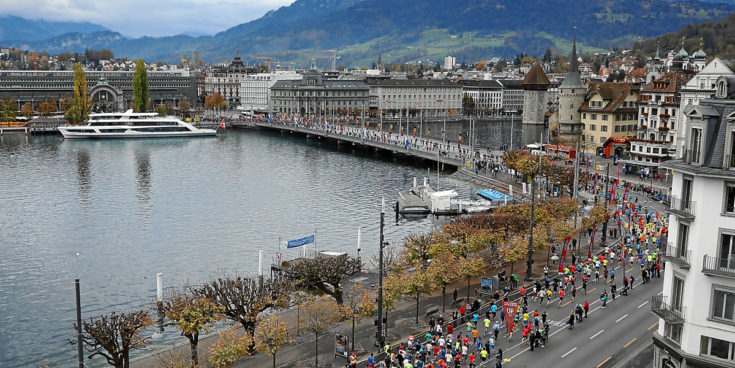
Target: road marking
{"x": 661, "y": 292}
{"x": 569, "y": 352}
{"x": 652, "y": 326}
{"x": 597, "y": 334}
{"x": 519, "y": 353}
{"x": 603, "y": 362}
{"x": 642, "y": 304}
{"x": 621, "y": 318}
{"x": 630, "y": 342}
{"x": 567, "y": 303}
{"x": 591, "y": 290}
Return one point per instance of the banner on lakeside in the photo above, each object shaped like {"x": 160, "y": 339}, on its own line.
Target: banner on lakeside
{"x": 300, "y": 242}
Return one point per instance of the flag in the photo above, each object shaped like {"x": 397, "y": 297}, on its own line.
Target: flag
{"x": 414, "y": 132}
{"x": 390, "y": 131}
{"x": 222, "y": 124}
{"x": 592, "y": 241}
{"x": 429, "y": 133}
{"x": 563, "y": 254}
{"x": 510, "y": 309}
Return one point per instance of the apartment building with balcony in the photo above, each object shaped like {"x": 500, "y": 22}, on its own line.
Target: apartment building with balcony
{"x": 658, "y": 111}
{"x": 697, "y": 307}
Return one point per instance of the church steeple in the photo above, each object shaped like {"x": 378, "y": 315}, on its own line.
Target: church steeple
{"x": 573, "y": 80}
{"x": 658, "y": 50}
{"x": 573, "y": 62}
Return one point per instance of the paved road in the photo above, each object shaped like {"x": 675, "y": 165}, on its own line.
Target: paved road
{"x": 601, "y": 340}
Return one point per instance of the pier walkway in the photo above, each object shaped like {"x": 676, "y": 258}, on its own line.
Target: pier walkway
{"x": 423, "y": 148}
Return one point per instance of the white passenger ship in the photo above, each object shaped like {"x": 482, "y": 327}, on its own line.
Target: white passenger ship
{"x": 132, "y": 125}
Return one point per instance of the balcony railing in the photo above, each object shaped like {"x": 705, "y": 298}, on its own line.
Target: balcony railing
{"x": 669, "y": 313}
{"x": 676, "y": 255}
{"x": 682, "y": 207}
{"x": 718, "y": 266}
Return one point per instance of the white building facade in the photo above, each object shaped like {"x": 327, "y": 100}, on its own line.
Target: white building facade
{"x": 701, "y": 86}
{"x": 255, "y": 89}
{"x": 697, "y": 307}
{"x": 449, "y": 62}
{"x": 431, "y": 97}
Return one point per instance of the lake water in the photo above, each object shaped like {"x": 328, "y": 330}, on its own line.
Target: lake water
{"x": 114, "y": 213}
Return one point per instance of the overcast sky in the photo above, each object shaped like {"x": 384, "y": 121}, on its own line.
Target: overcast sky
{"x": 146, "y": 17}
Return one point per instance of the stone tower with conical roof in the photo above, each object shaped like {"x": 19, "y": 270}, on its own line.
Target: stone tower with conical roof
{"x": 535, "y": 86}
{"x": 571, "y": 97}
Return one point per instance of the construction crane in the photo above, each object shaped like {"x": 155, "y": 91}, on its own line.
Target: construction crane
{"x": 330, "y": 55}
{"x": 268, "y": 59}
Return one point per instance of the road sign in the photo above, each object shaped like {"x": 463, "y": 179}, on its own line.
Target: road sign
{"x": 486, "y": 285}
{"x": 340, "y": 346}
{"x": 279, "y": 257}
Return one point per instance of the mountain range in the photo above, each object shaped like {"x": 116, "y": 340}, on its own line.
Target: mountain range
{"x": 402, "y": 30}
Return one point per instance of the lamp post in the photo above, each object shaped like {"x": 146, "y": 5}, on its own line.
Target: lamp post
{"x": 379, "y": 336}
{"x": 529, "y": 262}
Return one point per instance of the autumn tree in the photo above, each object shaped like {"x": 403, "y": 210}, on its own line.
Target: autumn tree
{"x": 317, "y": 315}
{"x": 215, "y": 102}
{"x": 140, "y": 87}
{"x": 81, "y": 104}
{"x": 270, "y": 334}
{"x": 229, "y": 347}
{"x": 27, "y": 110}
{"x": 8, "y": 109}
{"x": 192, "y": 316}
{"x": 184, "y": 106}
{"x": 322, "y": 275}
{"x": 481, "y": 65}
{"x": 359, "y": 304}
{"x": 47, "y": 107}
{"x": 114, "y": 336}
{"x": 245, "y": 298}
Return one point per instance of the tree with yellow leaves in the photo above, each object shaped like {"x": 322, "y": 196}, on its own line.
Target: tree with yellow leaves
{"x": 192, "y": 316}
{"x": 230, "y": 346}
{"x": 317, "y": 315}
{"x": 357, "y": 305}
{"x": 270, "y": 334}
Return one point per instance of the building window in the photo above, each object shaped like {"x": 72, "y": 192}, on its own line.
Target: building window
{"x": 677, "y": 293}
{"x": 673, "y": 332}
{"x": 683, "y": 238}
{"x": 723, "y": 305}
{"x": 593, "y": 127}
{"x": 602, "y": 139}
{"x": 603, "y": 128}
{"x": 696, "y": 144}
{"x": 727, "y": 252}
{"x": 584, "y": 115}
{"x": 716, "y": 348}
{"x": 730, "y": 198}
{"x": 594, "y": 116}
{"x": 604, "y": 117}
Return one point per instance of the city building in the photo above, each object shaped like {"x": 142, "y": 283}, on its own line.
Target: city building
{"x": 255, "y": 89}
{"x": 314, "y": 95}
{"x": 227, "y": 81}
{"x": 701, "y": 86}
{"x": 486, "y": 94}
{"x": 431, "y": 97}
{"x": 109, "y": 90}
{"x": 608, "y": 110}
{"x": 512, "y": 95}
{"x": 449, "y": 62}
{"x": 658, "y": 111}
{"x": 535, "y": 86}
{"x": 697, "y": 307}
{"x": 571, "y": 97}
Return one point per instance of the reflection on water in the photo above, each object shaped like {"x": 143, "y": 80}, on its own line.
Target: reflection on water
{"x": 84, "y": 175}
